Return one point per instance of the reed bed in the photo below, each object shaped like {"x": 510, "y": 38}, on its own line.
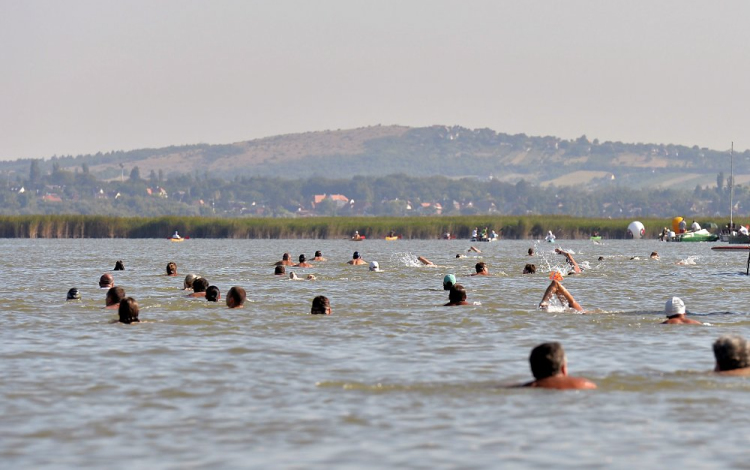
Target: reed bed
{"x": 510, "y": 227}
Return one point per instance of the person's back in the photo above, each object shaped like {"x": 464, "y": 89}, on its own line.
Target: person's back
{"x": 550, "y": 369}
{"x": 303, "y": 262}
{"x": 356, "y": 259}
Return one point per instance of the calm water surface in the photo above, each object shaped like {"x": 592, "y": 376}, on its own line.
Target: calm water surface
{"x": 390, "y": 380}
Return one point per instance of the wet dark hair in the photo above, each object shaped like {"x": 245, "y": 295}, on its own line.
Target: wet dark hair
{"x": 119, "y": 266}
{"x": 285, "y": 256}
{"x": 237, "y": 295}
{"x": 280, "y": 269}
{"x": 200, "y": 285}
{"x": 480, "y": 266}
{"x": 318, "y": 253}
{"x": 457, "y": 294}
{"x": 531, "y": 251}
{"x": 74, "y": 294}
{"x": 114, "y": 296}
{"x": 731, "y": 352}
{"x": 355, "y": 255}
{"x": 547, "y": 360}
{"x": 213, "y": 294}
{"x": 529, "y": 269}
{"x": 106, "y": 280}
{"x": 128, "y": 311}
{"x": 302, "y": 258}
{"x": 320, "y": 305}
{"x": 171, "y": 268}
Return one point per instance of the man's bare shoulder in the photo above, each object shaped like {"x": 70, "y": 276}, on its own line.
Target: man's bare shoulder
{"x": 563, "y": 383}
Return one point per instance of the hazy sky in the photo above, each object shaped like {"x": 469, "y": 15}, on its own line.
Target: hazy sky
{"x": 81, "y": 76}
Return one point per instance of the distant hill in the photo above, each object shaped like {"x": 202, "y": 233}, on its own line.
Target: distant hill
{"x": 427, "y": 151}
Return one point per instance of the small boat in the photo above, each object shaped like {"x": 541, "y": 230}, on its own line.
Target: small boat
{"x": 481, "y": 239}
{"x": 701, "y": 235}
{"x": 358, "y": 239}
{"x": 172, "y": 239}
{"x": 596, "y": 238}
{"x": 390, "y": 239}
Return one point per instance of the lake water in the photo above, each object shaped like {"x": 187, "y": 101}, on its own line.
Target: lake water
{"x": 391, "y": 380}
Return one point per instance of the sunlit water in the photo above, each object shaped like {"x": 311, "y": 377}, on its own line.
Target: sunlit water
{"x": 391, "y": 380}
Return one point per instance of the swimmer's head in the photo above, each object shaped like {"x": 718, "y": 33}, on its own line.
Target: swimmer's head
{"x": 311, "y": 277}
{"x": 74, "y": 294}
{"x": 321, "y": 306}
{"x": 293, "y": 276}
{"x": 531, "y": 252}
{"x": 213, "y": 294}
{"x": 449, "y": 281}
{"x": 374, "y": 266}
{"x": 285, "y": 257}
{"x": 302, "y": 258}
{"x": 280, "y": 270}
{"x": 200, "y": 285}
{"x": 356, "y": 255}
{"x": 128, "y": 311}
{"x": 529, "y": 269}
{"x": 318, "y": 254}
{"x": 189, "y": 280}
{"x": 106, "y": 281}
{"x": 119, "y": 266}
{"x": 674, "y": 306}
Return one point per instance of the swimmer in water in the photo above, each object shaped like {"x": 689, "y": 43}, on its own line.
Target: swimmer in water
{"x": 285, "y": 261}
{"x": 481, "y": 269}
{"x": 189, "y": 280}
{"x": 732, "y": 355}
{"x": 303, "y": 262}
{"x": 319, "y": 256}
{"x": 236, "y": 297}
{"x": 654, "y": 255}
{"x": 549, "y": 366}
{"x": 106, "y": 281}
{"x": 199, "y": 288}
{"x": 320, "y": 306}
{"x": 279, "y": 271}
{"x": 128, "y": 311}
{"x": 456, "y": 296}
{"x": 531, "y": 252}
{"x": 675, "y": 311}
{"x": 529, "y": 269}
{"x": 213, "y": 294}
{"x": 119, "y": 266}
{"x": 569, "y": 258}
{"x": 557, "y": 289}
{"x": 375, "y": 267}
{"x": 74, "y": 294}
{"x": 425, "y": 261}
{"x": 474, "y": 249}
{"x": 171, "y": 269}
{"x": 449, "y": 281}
{"x": 356, "y": 259}
{"x": 113, "y": 298}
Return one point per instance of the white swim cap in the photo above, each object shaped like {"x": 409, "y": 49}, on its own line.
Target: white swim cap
{"x": 674, "y": 306}
{"x": 374, "y": 266}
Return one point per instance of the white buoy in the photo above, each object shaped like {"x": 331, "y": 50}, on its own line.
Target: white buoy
{"x": 636, "y": 230}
